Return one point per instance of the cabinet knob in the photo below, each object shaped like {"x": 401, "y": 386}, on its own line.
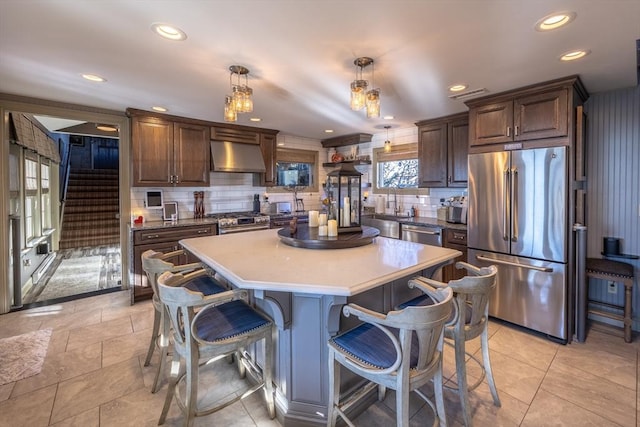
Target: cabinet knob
{"x": 508, "y": 130}
{"x": 152, "y": 236}
{"x": 516, "y": 132}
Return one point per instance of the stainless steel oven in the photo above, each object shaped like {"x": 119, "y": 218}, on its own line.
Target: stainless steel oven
{"x": 240, "y": 222}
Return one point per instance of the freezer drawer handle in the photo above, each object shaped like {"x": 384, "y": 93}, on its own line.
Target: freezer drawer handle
{"x": 515, "y": 264}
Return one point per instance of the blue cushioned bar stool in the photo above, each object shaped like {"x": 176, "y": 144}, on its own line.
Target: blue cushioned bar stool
{"x": 154, "y": 264}
{"x": 401, "y": 350}
{"x": 470, "y": 320}
{"x": 207, "y": 328}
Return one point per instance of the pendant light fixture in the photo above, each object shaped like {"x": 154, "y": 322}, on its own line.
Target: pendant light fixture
{"x": 360, "y": 96}
{"x": 241, "y": 98}
{"x": 387, "y": 142}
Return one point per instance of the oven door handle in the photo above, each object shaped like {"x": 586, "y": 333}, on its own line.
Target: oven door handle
{"x": 242, "y": 229}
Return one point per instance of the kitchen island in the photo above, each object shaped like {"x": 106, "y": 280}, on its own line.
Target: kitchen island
{"x": 303, "y": 290}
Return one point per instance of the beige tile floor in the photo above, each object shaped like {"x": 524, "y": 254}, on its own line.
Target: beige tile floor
{"x": 93, "y": 375}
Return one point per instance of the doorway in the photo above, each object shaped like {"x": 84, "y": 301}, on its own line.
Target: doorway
{"x": 112, "y": 266}
{"x": 88, "y": 256}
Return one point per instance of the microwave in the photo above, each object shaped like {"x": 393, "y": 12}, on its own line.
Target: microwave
{"x": 280, "y": 208}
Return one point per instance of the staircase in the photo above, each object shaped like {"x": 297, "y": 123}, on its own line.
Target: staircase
{"x": 91, "y": 210}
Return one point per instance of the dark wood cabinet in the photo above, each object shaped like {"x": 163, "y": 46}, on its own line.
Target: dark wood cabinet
{"x": 161, "y": 240}
{"x": 455, "y": 239}
{"x": 442, "y": 151}
{"x": 168, "y": 153}
{"x": 268, "y": 147}
{"x": 526, "y": 115}
{"x": 538, "y": 116}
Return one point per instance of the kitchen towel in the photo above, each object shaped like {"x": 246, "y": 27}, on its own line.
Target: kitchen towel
{"x": 380, "y": 204}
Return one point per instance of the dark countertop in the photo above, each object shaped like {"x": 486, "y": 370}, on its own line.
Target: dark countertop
{"x": 151, "y": 225}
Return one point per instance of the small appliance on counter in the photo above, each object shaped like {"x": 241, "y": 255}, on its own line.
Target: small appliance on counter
{"x": 280, "y": 208}
{"x": 457, "y": 210}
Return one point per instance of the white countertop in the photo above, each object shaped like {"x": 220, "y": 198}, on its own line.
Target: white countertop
{"x": 259, "y": 260}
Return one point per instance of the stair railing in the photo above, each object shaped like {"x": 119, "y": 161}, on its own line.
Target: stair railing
{"x": 65, "y": 155}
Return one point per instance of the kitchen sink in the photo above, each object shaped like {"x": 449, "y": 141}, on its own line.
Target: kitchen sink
{"x": 387, "y": 224}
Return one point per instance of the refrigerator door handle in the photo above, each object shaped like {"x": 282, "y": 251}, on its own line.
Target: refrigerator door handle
{"x": 515, "y": 264}
{"x": 514, "y": 204}
{"x": 505, "y": 201}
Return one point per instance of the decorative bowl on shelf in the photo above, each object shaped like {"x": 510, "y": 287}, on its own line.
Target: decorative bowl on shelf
{"x": 337, "y": 158}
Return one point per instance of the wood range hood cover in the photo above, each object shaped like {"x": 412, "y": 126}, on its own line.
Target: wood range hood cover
{"x": 227, "y": 156}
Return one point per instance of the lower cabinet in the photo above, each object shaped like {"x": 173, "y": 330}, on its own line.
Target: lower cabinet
{"x": 161, "y": 240}
{"x": 455, "y": 239}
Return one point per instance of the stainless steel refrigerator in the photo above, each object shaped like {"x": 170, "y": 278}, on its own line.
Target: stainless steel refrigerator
{"x": 518, "y": 221}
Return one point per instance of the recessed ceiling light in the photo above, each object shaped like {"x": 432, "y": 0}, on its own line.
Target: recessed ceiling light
{"x": 328, "y": 131}
{"x": 160, "y": 109}
{"x": 389, "y": 117}
{"x": 94, "y": 78}
{"x": 280, "y": 144}
{"x": 555, "y": 20}
{"x": 255, "y": 119}
{"x": 457, "y": 87}
{"x": 168, "y": 31}
{"x": 574, "y": 54}
{"x": 106, "y": 128}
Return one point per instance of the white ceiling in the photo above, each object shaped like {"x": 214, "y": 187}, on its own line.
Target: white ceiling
{"x": 300, "y": 54}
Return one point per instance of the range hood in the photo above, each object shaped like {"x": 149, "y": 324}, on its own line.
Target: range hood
{"x": 229, "y": 156}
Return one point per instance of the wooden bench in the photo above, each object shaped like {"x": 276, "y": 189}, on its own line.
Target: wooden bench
{"x": 613, "y": 271}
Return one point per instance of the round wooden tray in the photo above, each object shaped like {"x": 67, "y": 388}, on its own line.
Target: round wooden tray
{"x": 307, "y": 237}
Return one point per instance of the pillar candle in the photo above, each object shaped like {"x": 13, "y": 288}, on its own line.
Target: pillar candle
{"x": 332, "y": 228}
{"x": 346, "y": 213}
{"x": 313, "y": 219}
{"x": 322, "y": 230}
{"x": 322, "y": 219}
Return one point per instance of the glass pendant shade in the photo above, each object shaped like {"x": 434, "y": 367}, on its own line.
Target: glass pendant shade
{"x": 358, "y": 91}
{"x": 247, "y": 105}
{"x": 373, "y": 103}
{"x": 230, "y": 114}
{"x": 387, "y": 146}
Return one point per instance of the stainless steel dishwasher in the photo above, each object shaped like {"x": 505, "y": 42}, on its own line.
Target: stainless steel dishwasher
{"x": 423, "y": 234}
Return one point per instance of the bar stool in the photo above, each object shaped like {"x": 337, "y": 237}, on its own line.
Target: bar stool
{"x": 207, "y": 328}
{"x": 613, "y": 271}
{"x": 470, "y": 320}
{"x": 400, "y": 350}
{"x": 154, "y": 264}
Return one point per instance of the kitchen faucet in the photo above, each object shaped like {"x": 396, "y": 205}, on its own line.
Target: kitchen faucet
{"x": 396, "y": 208}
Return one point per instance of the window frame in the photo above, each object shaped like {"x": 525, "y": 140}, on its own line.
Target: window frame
{"x": 298, "y": 155}
{"x": 397, "y": 152}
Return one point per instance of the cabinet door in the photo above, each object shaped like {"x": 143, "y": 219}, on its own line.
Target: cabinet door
{"x": 432, "y": 155}
{"x": 152, "y": 152}
{"x": 491, "y": 124}
{"x": 268, "y": 147}
{"x": 458, "y": 148}
{"x": 142, "y": 289}
{"x": 542, "y": 115}
{"x": 191, "y": 155}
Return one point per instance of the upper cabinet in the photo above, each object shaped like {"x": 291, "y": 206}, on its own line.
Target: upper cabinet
{"x": 542, "y": 111}
{"x": 442, "y": 151}
{"x": 176, "y": 151}
{"x": 169, "y": 153}
{"x": 268, "y": 148}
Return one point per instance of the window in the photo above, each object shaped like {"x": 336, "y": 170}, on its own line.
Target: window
{"x": 30, "y": 198}
{"x": 45, "y": 205}
{"x": 297, "y": 168}
{"x": 398, "y": 168}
